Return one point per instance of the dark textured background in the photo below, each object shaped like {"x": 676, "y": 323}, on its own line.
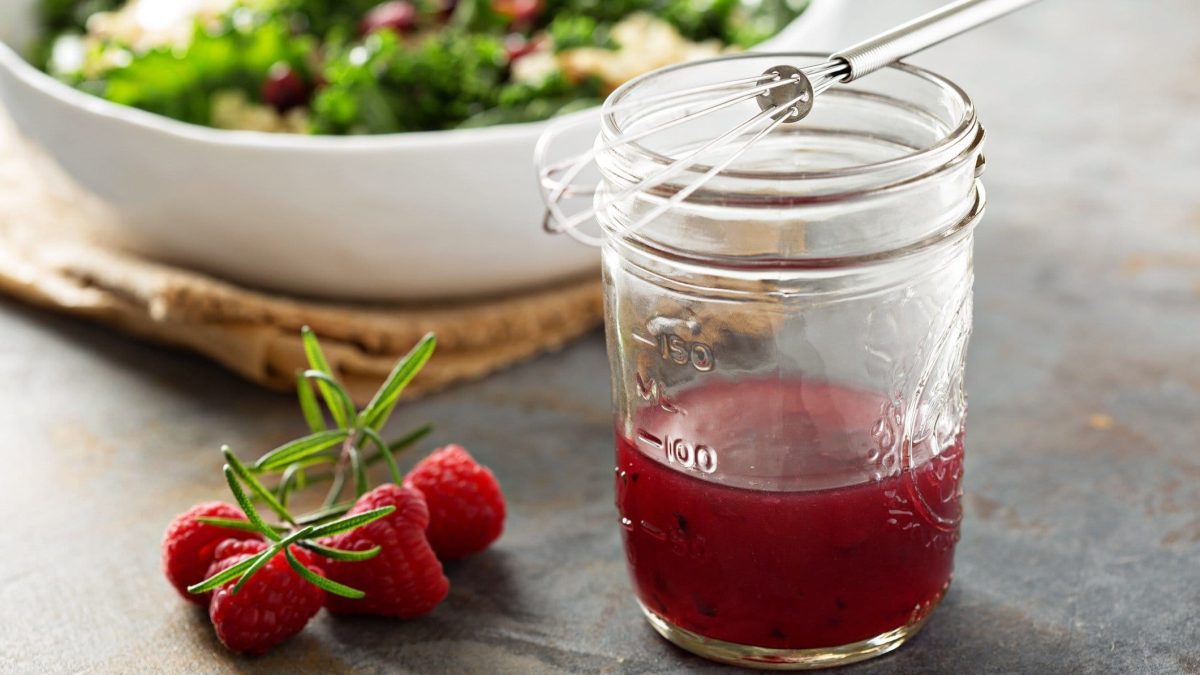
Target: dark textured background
{"x": 1081, "y": 549}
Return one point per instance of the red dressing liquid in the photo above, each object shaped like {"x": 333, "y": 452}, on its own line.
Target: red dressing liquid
{"x": 770, "y": 562}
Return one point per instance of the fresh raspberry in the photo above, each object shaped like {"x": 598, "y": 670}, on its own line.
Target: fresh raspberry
{"x": 274, "y": 605}
{"x": 405, "y": 579}
{"x": 227, "y": 554}
{"x": 232, "y": 548}
{"x": 188, "y": 545}
{"x": 466, "y": 507}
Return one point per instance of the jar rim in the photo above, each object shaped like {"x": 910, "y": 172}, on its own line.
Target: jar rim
{"x": 951, "y": 139}
{"x": 960, "y": 228}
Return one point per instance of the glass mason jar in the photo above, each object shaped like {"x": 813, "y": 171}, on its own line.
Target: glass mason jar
{"x": 787, "y": 350}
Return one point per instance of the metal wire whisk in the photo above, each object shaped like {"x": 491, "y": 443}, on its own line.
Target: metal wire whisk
{"x": 785, "y": 94}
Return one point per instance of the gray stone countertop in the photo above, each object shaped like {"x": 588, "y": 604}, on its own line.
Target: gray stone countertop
{"x": 1081, "y": 546}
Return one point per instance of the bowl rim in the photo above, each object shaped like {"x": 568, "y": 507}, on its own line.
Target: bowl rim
{"x": 32, "y": 77}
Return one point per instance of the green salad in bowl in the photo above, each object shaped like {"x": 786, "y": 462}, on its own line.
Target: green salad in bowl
{"x": 370, "y": 67}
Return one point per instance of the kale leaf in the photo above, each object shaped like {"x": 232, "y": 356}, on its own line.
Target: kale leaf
{"x": 180, "y": 83}
{"x": 452, "y": 71}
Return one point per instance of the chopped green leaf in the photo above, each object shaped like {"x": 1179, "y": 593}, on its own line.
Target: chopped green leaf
{"x": 448, "y": 72}
{"x": 572, "y": 31}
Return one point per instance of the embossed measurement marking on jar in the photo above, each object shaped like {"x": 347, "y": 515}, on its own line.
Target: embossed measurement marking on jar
{"x": 648, "y": 389}
{"x": 692, "y": 456}
{"x": 680, "y": 351}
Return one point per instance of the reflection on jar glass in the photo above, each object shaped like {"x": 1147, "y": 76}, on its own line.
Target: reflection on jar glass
{"x": 787, "y": 351}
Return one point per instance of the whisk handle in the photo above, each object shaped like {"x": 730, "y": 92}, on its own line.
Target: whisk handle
{"x": 921, "y": 33}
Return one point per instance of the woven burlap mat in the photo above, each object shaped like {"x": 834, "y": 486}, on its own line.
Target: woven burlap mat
{"x": 54, "y": 252}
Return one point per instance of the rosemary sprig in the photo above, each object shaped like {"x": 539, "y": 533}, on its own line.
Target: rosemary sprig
{"x": 339, "y": 554}
{"x": 301, "y": 448}
{"x": 282, "y": 539}
{"x": 371, "y": 460}
{"x": 320, "y": 366}
{"x": 376, "y": 414}
{"x": 308, "y": 404}
{"x": 360, "y": 427}
{"x": 343, "y": 447}
{"x": 327, "y": 585}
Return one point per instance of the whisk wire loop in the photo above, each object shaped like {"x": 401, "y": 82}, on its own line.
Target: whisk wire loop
{"x": 777, "y": 116}
{"x": 785, "y": 94}
{"x": 570, "y": 224}
{"x": 560, "y": 184}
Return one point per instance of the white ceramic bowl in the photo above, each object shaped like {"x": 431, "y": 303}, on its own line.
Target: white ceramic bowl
{"x": 393, "y": 217}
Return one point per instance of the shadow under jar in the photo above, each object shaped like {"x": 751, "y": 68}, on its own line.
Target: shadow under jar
{"x": 787, "y": 350}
